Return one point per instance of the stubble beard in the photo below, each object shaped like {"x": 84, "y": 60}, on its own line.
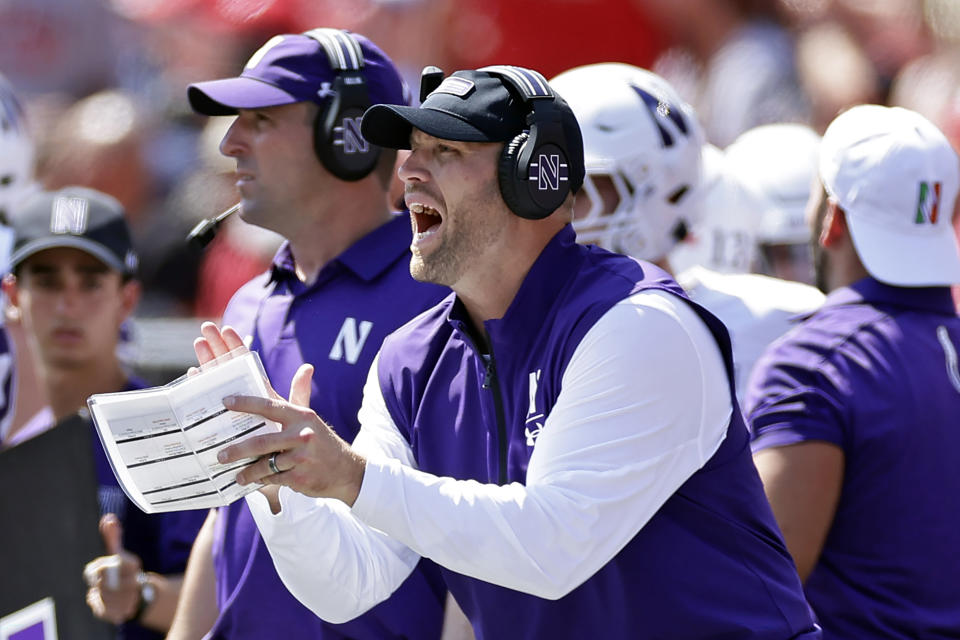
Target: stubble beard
{"x": 476, "y": 229}
{"x": 445, "y": 265}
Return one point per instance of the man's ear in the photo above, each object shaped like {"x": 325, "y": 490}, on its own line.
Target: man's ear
{"x": 10, "y": 289}
{"x": 835, "y": 227}
{"x": 130, "y": 296}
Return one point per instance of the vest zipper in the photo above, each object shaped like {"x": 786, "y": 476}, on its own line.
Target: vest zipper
{"x": 490, "y": 382}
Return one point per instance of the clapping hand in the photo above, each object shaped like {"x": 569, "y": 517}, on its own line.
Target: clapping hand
{"x": 306, "y": 455}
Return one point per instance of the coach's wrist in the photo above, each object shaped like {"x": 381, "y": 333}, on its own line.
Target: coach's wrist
{"x": 355, "y": 466}
{"x": 148, "y": 594}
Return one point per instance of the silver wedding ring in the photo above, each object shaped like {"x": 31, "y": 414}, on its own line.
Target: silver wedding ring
{"x": 272, "y": 462}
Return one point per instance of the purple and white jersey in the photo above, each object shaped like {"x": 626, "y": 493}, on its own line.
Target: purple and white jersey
{"x": 875, "y": 372}
{"x": 337, "y": 324}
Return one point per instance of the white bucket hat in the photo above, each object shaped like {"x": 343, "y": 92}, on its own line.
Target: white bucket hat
{"x": 896, "y": 177}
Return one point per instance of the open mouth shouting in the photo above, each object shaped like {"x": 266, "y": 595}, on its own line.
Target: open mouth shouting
{"x": 426, "y": 223}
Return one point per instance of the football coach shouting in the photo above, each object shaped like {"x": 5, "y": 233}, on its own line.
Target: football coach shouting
{"x": 559, "y": 434}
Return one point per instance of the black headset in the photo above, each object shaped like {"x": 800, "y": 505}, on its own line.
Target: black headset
{"x": 336, "y": 131}
{"x": 533, "y": 169}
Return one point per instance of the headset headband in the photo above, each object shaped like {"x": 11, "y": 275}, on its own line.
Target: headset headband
{"x": 533, "y": 169}
{"x": 342, "y": 50}
{"x": 337, "y": 140}
{"x": 529, "y": 83}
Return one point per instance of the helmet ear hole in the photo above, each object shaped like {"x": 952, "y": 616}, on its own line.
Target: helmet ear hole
{"x": 678, "y": 194}
{"x": 680, "y": 232}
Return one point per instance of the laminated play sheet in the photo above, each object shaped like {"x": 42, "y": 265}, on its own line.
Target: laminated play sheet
{"x": 163, "y": 442}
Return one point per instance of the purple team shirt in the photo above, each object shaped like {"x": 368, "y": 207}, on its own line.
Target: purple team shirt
{"x": 874, "y": 371}
{"x": 337, "y": 324}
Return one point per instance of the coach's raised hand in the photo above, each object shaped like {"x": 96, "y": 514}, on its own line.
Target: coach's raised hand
{"x": 216, "y": 343}
{"x": 306, "y": 455}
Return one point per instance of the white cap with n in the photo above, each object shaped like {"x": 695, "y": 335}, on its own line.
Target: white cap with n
{"x": 896, "y": 177}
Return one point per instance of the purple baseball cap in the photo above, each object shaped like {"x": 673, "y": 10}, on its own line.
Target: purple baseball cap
{"x": 292, "y": 68}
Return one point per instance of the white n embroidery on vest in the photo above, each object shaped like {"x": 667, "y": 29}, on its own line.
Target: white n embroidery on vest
{"x": 534, "y": 421}
{"x": 350, "y": 340}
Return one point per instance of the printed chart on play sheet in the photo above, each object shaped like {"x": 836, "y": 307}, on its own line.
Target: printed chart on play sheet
{"x": 163, "y": 442}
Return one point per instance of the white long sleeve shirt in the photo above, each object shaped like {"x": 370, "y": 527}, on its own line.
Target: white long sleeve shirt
{"x": 645, "y": 402}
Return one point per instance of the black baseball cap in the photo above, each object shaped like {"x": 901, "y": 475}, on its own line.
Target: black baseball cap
{"x": 75, "y": 217}
{"x": 470, "y": 106}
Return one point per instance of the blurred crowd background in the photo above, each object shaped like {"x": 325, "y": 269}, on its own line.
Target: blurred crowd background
{"x": 104, "y": 87}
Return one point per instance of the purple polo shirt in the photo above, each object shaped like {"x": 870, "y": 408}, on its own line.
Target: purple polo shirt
{"x": 874, "y": 371}
{"x": 161, "y": 540}
{"x": 337, "y": 324}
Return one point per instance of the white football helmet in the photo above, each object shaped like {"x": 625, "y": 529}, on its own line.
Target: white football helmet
{"x": 16, "y": 150}
{"x": 779, "y": 161}
{"x": 642, "y": 146}
{"x": 777, "y": 164}
{"x": 724, "y": 236}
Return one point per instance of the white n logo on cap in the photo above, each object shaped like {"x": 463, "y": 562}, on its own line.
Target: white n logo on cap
{"x": 69, "y": 215}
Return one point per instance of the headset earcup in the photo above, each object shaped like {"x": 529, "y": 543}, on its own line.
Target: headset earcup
{"x": 513, "y": 187}
{"x": 353, "y": 158}
{"x": 520, "y": 190}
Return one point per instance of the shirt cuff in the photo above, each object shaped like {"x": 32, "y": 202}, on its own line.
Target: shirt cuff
{"x": 267, "y": 521}
{"x": 262, "y": 514}
{"x": 376, "y": 475}
{"x": 786, "y": 434}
